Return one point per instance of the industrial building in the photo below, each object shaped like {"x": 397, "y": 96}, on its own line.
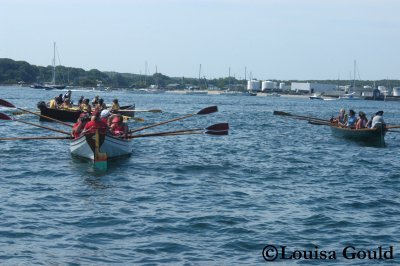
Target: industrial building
{"x": 313, "y": 87}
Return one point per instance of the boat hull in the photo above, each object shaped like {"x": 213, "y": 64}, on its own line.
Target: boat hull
{"x": 372, "y": 136}
{"x": 84, "y": 147}
{"x": 73, "y": 115}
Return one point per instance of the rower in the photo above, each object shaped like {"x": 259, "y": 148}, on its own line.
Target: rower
{"x": 66, "y": 104}
{"x": 94, "y": 124}
{"x": 53, "y": 103}
{"x": 118, "y": 127}
{"x": 79, "y": 125}
{"x": 85, "y": 107}
{"x": 351, "y": 121}
{"x": 115, "y": 106}
{"x": 95, "y": 101}
{"x": 104, "y": 116}
{"x": 101, "y": 105}
{"x": 81, "y": 100}
{"x": 59, "y": 99}
{"x": 67, "y": 95}
{"x": 378, "y": 119}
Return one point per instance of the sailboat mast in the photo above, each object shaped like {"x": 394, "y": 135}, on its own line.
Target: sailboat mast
{"x": 229, "y": 78}
{"x": 354, "y": 75}
{"x": 200, "y": 76}
{"x": 53, "y": 81}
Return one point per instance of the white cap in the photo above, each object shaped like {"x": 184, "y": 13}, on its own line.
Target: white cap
{"x": 105, "y": 113}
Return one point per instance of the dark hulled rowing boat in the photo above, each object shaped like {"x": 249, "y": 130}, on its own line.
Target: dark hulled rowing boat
{"x": 372, "y": 136}
{"x": 70, "y": 115}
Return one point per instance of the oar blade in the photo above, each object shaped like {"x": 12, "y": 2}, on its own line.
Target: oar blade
{"x": 218, "y": 127}
{"x": 6, "y": 104}
{"x": 208, "y": 110}
{"x": 217, "y": 133}
{"x": 281, "y": 113}
{"x": 155, "y": 111}
{"x": 4, "y": 117}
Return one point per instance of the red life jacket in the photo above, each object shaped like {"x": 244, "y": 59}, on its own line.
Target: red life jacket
{"x": 91, "y": 127}
{"x": 118, "y": 130}
{"x": 75, "y": 131}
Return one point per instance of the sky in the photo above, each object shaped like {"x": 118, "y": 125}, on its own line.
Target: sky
{"x": 266, "y": 39}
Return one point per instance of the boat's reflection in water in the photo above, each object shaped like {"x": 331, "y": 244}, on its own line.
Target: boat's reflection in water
{"x": 97, "y": 178}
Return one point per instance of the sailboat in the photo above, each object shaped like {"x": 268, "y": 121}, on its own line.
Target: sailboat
{"x": 53, "y": 84}
{"x": 351, "y": 95}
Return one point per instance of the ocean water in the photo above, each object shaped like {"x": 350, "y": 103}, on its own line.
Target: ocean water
{"x": 199, "y": 199}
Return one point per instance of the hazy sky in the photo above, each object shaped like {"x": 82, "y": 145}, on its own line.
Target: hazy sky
{"x": 273, "y": 39}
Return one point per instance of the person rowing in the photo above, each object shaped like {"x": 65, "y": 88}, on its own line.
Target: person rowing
{"x": 66, "y": 104}
{"x": 101, "y": 105}
{"x": 85, "y": 106}
{"x": 95, "y": 101}
{"x": 378, "y": 120}
{"x": 341, "y": 120}
{"x": 118, "y": 127}
{"x": 104, "y": 115}
{"x": 53, "y": 103}
{"x": 79, "y": 125}
{"x": 95, "y": 124}
{"x": 352, "y": 120}
{"x": 59, "y": 99}
{"x": 115, "y": 106}
{"x": 362, "y": 121}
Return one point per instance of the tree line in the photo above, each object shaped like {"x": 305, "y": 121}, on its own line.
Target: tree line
{"x": 13, "y": 72}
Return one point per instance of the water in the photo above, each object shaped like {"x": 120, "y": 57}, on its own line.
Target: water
{"x": 199, "y": 199}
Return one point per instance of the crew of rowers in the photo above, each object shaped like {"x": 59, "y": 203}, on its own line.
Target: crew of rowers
{"x": 103, "y": 121}
{"x": 95, "y": 116}
{"x": 351, "y": 121}
{"x": 64, "y": 102}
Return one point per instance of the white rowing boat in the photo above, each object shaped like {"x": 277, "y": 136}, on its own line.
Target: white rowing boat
{"x": 113, "y": 147}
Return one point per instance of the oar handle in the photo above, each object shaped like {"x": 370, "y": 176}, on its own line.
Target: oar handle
{"x": 33, "y": 138}
{"x": 36, "y": 125}
{"x": 161, "y": 123}
{"x": 44, "y": 116}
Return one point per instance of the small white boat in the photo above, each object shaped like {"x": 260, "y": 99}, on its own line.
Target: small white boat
{"x": 316, "y": 96}
{"x": 238, "y": 93}
{"x": 112, "y": 147}
{"x": 274, "y": 94}
{"x": 195, "y": 92}
{"x": 349, "y": 96}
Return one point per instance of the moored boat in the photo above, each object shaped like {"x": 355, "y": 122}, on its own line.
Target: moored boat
{"x": 316, "y": 96}
{"x": 372, "y": 136}
{"x": 71, "y": 115}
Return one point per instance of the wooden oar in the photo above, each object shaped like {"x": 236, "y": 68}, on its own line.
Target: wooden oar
{"x": 215, "y": 133}
{"x": 151, "y": 110}
{"x": 6, "y": 117}
{"x": 301, "y": 117}
{"x": 136, "y": 119}
{"x": 320, "y": 123}
{"x": 34, "y": 138}
{"x": 394, "y": 126}
{"x": 207, "y": 110}
{"x": 217, "y": 129}
{"x": 8, "y": 104}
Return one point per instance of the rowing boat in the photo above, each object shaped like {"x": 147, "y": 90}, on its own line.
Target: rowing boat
{"x": 113, "y": 147}
{"x": 71, "y": 115}
{"x": 373, "y": 136}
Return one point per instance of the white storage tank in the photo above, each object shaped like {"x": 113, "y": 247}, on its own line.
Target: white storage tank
{"x": 396, "y": 91}
{"x": 268, "y": 85}
{"x": 282, "y": 86}
{"x": 382, "y": 88}
{"x": 253, "y": 85}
